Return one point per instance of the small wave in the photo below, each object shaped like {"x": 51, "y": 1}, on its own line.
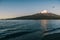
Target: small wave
{"x": 55, "y": 36}
{"x": 52, "y": 30}
{"x": 17, "y": 34}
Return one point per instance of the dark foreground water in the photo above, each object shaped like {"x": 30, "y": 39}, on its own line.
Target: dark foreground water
{"x": 27, "y": 29}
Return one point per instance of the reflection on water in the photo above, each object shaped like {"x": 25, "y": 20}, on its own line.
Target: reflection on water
{"x": 44, "y": 24}
{"x": 27, "y": 29}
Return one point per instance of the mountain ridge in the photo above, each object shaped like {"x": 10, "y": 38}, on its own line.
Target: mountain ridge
{"x": 38, "y": 16}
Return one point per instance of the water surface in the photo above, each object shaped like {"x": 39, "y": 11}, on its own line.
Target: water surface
{"x": 27, "y": 29}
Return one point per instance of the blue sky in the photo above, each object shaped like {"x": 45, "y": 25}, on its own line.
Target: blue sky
{"x": 16, "y": 8}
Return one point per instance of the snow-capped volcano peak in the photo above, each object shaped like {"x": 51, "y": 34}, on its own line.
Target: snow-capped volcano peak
{"x": 44, "y": 11}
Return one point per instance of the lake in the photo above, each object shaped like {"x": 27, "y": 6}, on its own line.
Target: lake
{"x": 27, "y": 29}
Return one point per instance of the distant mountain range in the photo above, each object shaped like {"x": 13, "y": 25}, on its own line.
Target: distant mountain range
{"x": 38, "y": 16}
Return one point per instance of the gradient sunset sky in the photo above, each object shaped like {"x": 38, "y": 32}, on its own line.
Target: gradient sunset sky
{"x": 16, "y": 8}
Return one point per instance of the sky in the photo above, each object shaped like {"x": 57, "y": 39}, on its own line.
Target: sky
{"x": 17, "y": 8}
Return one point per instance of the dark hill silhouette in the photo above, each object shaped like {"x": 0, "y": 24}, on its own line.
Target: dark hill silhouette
{"x": 39, "y": 16}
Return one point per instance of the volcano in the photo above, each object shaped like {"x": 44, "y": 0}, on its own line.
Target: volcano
{"x": 42, "y": 15}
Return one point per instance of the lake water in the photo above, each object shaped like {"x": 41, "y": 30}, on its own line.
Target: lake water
{"x": 27, "y": 29}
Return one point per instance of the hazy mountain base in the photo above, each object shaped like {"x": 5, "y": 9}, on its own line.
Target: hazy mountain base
{"x": 37, "y": 16}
